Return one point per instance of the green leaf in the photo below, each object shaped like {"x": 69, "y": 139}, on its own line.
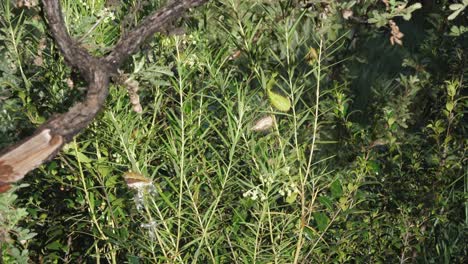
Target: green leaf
{"x": 451, "y": 89}
{"x": 27, "y": 236}
{"x": 455, "y": 31}
{"x": 91, "y": 200}
{"x": 407, "y": 16}
{"x": 336, "y": 189}
{"x": 454, "y": 7}
{"x": 133, "y": 259}
{"x": 15, "y": 252}
{"x": 458, "y": 8}
{"x": 325, "y": 201}
{"x": 372, "y": 20}
{"x": 449, "y": 106}
{"x": 103, "y": 170}
{"x": 272, "y": 81}
{"x": 56, "y": 245}
{"x": 291, "y": 198}
{"x": 373, "y": 166}
{"x": 322, "y": 221}
{"x": 454, "y": 14}
{"x": 111, "y": 181}
{"x": 415, "y": 6}
{"x": 280, "y": 102}
{"x": 343, "y": 203}
{"x": 309, "y": 233}
{"x": 390, "y": 121}
{"x": 82, "y": 158}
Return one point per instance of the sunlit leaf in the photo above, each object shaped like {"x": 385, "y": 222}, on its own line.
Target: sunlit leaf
{"x": 82, "y": 157}
{"x": 280, "y": 102}
{"x": 291, "y": 198}
{"x": 449, "y": 106}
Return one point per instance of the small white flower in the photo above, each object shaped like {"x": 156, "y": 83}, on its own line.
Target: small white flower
{"x": 254, "y": 194}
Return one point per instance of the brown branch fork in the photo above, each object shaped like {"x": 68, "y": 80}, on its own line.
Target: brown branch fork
{"x": 16, "y": 161}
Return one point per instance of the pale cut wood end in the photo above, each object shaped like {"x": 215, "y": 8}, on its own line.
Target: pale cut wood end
{"x": 28, "y": 155}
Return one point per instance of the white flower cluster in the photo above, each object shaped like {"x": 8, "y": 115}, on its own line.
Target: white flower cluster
{"x": 84, "y": 3}
{"x": 107, "y": 14}
{"x": 117, "y": 157}
{"x": 189, "y": 40}
{"x": 267, "y": 179}
{"x": 289, "y": 189}
{"x": 191, "y": 60}
{"x": 254, "y": 194}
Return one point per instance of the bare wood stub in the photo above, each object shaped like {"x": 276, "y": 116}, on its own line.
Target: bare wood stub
{"x": 28, "y": 156}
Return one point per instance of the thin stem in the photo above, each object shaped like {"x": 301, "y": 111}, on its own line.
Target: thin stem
{"x": 309, "y": 164}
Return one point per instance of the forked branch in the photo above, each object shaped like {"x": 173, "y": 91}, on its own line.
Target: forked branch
{"x": 19, "y": 159}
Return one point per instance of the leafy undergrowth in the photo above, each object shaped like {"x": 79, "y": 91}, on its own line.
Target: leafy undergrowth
{"x": 270, "y": 133}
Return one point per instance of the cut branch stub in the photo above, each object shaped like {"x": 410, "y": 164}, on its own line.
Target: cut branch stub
{"x": 19, "y": 159}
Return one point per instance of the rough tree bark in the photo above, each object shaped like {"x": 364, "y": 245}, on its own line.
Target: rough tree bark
{"x": 49, "y": 138}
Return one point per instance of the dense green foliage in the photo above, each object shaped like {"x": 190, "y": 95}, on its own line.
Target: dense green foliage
{"x": 273, "y": 132}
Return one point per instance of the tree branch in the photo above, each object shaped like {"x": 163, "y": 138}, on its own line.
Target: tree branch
{"x": 150, "y": 25}
{"x": 16, "y": 161}
{"x": 75, "y": 55}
